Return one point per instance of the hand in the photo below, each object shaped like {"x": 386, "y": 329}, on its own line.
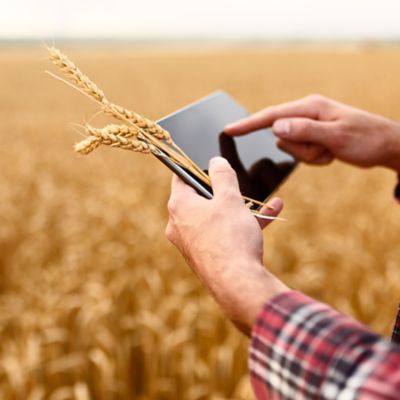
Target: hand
{"x": 316, "y": 130}
{"x": 261, "y": 178}
{"x": 222, "y": 242}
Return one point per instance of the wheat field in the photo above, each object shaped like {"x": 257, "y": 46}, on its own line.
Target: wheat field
{"x": 94, "y": 302}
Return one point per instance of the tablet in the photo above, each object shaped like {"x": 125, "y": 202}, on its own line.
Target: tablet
{"x": 198, "y": 129}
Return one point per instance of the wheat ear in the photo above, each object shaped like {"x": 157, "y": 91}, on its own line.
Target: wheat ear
{"x": 73, "y": 73}
{"x": 122, "y": 136}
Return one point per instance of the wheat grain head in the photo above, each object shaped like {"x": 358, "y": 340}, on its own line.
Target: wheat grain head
{"x": 74, "y": 74}
{"x": 121, "y": 136}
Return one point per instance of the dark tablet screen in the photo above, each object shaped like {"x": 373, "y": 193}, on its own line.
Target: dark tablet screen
{"x": 197, "y": 129}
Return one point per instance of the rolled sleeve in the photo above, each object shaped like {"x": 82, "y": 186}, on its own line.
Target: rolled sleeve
{"x": 301, "y": 348}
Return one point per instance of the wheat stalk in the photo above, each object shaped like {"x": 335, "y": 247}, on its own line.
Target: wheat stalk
{"x": 158, "y": 140}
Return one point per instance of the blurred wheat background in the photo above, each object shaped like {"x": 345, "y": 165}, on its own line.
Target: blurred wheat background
{"x": 94, "y": 302}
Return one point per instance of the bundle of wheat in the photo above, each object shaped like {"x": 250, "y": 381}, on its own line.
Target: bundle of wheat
{"x": 141, "y": 135}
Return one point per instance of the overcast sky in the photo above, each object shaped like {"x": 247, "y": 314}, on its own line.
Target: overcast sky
{"x": 224, "y": 19}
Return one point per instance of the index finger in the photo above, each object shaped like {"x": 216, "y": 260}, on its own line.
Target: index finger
{"x": 309, "y": 107}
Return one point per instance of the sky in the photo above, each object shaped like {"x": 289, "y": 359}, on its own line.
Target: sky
{"x": 201, "y": 19}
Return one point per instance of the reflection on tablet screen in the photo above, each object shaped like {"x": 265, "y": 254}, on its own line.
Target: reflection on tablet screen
{"x": 262, "y": 177}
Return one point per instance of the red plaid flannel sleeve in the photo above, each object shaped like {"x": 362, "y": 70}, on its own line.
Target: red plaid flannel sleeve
{"x": 303, "y": 349}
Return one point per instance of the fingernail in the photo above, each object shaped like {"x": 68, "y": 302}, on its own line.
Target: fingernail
{"x": 275, "y": 204}
{"x": 229, "y": 127}
{"x": 219, "y": 162}
{"x": 281, "y": 128}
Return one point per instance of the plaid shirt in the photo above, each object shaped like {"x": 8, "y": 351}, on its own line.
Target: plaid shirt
{"x": 303, "y": 349}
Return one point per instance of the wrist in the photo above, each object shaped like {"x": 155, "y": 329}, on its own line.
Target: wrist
{"x": 392, "y": 133}
{"x": 267, "y": 287}
{"x": 254, "y": 292}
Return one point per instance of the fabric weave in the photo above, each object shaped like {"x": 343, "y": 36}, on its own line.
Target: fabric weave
{"x": 303, "y": 349}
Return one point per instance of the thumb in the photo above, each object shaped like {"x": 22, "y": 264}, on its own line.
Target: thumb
{"x": 305, "y": 130}
{"x": 223, "y": 178}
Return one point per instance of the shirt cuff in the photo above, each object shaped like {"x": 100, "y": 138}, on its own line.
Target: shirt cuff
{"x": 296, "y": 343}
{"x": 265, "y": 335}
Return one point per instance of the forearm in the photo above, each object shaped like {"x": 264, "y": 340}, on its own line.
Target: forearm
{"x": 304, "y": 349}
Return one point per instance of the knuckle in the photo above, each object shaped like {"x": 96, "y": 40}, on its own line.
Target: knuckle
{"x": 172, "y": 207}
{"x": 321, "y": 104}
{"x": 339, "y": 136}
{"x": 317, "y": 99}
{"x": 226, "y": 169}
{"x": 170, "y": 232}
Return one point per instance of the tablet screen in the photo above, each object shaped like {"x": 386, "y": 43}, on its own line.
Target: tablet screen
{"x": 197, "y": 129}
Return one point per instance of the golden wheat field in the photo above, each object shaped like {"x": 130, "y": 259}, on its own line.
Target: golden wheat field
{"x": 94, "y": 302}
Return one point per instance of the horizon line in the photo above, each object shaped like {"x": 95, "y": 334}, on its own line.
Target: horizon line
{"x": 367, "y": 42}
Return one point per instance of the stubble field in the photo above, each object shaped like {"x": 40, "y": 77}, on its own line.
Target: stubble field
{"x": 94, "y": 302}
